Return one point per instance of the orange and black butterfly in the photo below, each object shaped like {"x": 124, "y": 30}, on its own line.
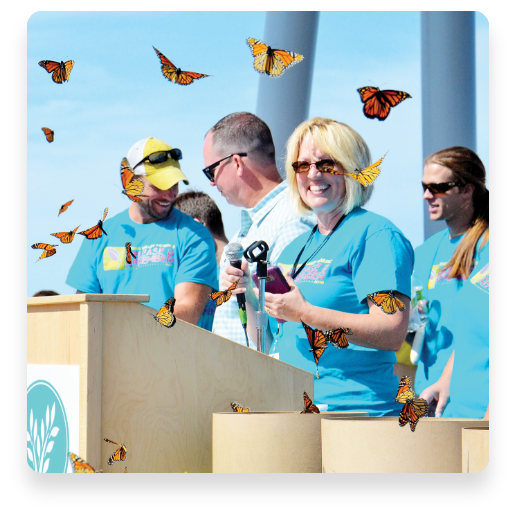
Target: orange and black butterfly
{"x": 174, "y": 74}
{"x": 81, "y": 466}
{"x": 120, "y": 454}
{"x": 378, "y": 103}
{"x": 338, "y": 337}
{"x": 66, "y": 237}
{"x": 271, "y": 61}
{"x": 238, "y": 408}
{"x": 49, "y": 134}
{"x": 413, "y": 408}
{"x": 95, "y": 231}
{"x": 223, "y": 295}
{"x": 60, "y": 71}
{"x": 133, "y": 188}
{"x": 317, "y": 342}
{"x": 129, "y": 253}
{"x": 387, "y": 301}
{"x": 64, "y": 207}
{"x": 165, "y": 315}
{"x": 48, "y": 250}
{"x": 125, "y": 470}
{"x": 368, "y": 175}
{"x": 309, "y": 406}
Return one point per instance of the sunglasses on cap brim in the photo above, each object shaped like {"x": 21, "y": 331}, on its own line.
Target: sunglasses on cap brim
{"x": 440, "y": 188}
{"x": 161, "y": 157}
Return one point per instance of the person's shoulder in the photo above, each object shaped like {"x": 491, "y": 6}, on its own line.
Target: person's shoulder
{"x": 432, "y": 241}
{"x": 371, "y": 222}
{"x": 186, "y": 225}
{"x": 117, "y": 218}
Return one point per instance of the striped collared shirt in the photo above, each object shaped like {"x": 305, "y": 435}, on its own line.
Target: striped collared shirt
{"x": 272, "y": 221}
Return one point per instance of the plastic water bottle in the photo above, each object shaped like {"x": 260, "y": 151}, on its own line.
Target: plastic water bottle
{"x": 422, "y": 309}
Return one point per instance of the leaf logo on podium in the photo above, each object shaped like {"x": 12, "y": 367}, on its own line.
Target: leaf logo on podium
{"x": 47, "y": 429}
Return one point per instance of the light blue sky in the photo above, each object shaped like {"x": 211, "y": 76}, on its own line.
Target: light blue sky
{"x": 116, "y": 96}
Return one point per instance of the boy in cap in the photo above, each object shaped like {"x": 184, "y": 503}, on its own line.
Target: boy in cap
{"x": 175, "y": 256}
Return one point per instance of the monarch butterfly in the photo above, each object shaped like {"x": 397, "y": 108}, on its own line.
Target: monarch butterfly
{"x": 413, "y": 408}
{"x": 238, "y": 408}
{"x": 64, "y": 207}
{"x": 128, "y": 253}
{"x": 49, "y": 134}
{"x": 132, "y": 187}
{"x": 309, "y": 406}
{"x": 165, "y": 315}
{"x": 387, "y": 301}
{"x": 271, "y": 61}
{"x": 404, "y": 389}
{"x": 317, "y": 342}
{"x": 95, "y": 231}
{"x": 224, "y": 295}
{"x": 60, "y": 71}
{"x": 66, "y": 237}
{"x": 174, "y": 74}
{"x": 368, "y": 175}
{"x": 338, "y": 337}
{"x": 81, "y": 466}
{"x": 125, "y": 470}
{"x": 378, "y": 103}
{"x": 120, "y": 454}
{"x": 49, "y": 250}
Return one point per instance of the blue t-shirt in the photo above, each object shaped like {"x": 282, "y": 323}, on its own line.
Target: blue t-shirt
{"x": 206, "y": 320}
{"x": 469, "y": 386}
{"x": 366, "y": 254}
{"x": 442, "y": 293}
{"x": 168, "y": 252}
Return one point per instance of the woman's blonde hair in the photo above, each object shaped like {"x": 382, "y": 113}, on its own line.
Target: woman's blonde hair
{"x": 468, "y": 169}
{"x": 342, "y": 144}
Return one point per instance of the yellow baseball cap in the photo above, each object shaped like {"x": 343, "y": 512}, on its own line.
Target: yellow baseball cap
{"x": 162, "y": 175}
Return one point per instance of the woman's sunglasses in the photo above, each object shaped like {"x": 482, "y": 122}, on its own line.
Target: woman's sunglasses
{"x": 440, "y": 188}
{"x": 325, "y": 165}
{"x": 162, "y": 156}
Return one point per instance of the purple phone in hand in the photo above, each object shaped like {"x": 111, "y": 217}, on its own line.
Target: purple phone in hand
{"x": 275, "y": 283}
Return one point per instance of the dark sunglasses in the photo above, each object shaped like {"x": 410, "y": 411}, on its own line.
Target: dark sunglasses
{"x": 325, "y": 165}
{"x": 440, "y": 188}
{"x": 162, "y": 156}
{"x": 208, "y": 171}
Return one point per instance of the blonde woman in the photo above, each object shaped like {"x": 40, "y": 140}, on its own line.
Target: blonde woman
{"x": 350, "y": 254}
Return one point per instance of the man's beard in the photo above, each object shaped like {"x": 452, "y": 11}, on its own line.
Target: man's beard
{"x": 146, "y": 206}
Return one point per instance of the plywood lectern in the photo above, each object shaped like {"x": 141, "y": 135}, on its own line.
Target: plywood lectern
{"x": 151, "y": 387}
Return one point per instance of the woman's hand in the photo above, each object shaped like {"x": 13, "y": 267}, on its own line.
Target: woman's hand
{"x": 232, "y": 274}
{"x": 289, "y": 307}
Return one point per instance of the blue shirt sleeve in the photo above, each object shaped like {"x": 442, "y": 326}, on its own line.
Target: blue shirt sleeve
{"x": 383, "y": 261}
{"x": 83, "y": 272}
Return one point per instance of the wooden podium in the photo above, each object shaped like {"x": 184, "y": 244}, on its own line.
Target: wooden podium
{"x": 153, "y": 388}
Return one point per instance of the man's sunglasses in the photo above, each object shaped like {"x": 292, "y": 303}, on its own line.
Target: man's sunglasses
{"x": 440, "y": 188}
{"x": 162, "y": 156}
{"x": 208, "y": 171}
{"x": 325, "y": 165}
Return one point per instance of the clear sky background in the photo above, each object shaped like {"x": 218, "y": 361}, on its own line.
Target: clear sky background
{"x": 117, "y": 95}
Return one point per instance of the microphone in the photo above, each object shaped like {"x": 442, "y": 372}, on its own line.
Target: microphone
{"x": 234, "y": 252}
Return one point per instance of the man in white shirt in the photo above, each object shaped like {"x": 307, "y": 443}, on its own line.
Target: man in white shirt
{"x": 240, "y": 161}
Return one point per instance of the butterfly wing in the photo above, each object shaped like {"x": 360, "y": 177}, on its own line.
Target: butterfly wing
{"x": 338, "y": 337}
{"x": 49, "y": 66}
{"x": 185, "y": 78}
{"x": 168, "y": 69}
{"x": 66, "y": 237}
{"x": 378, "y": 103}
{"x": 368, "y": 175}
{"x": 403, "y": 387}
{"x": 412, "y": 411}
{"x": 309, "y": 406}
{"x": 223, "y": 295}
{"x": 165, "y": 316}
{"x": 257, "y": 47}
{"x": 64, "y": 207}
{"x": 387, "y": 301}
{"x": 68, "y": 69}
{"x": 94, "y": 232}
{"x": 49, "y": 134}
{"x": 79, "y": 465}
{"x": 48, "y": 250}
{"x": 105, "y": 214}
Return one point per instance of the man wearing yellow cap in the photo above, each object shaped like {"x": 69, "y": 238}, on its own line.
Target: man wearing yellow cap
{"x": 172, "y": 255}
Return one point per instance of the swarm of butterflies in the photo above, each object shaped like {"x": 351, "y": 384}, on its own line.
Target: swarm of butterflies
{"x": 81, "y": 466}
{"x": 414, "y": 408}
